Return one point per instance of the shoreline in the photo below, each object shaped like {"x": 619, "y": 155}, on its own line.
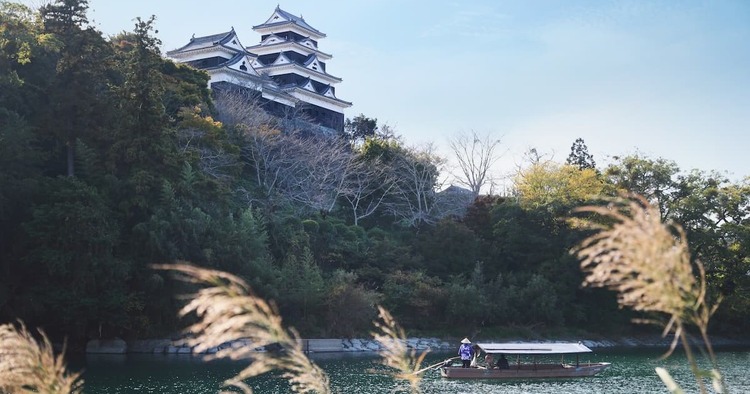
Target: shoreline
{"x": 364, "y": 345}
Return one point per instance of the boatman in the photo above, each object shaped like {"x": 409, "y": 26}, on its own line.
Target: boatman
{"x": 466, "y": 352}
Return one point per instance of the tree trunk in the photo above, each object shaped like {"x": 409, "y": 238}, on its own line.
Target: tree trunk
{"x": 71, "y": 155}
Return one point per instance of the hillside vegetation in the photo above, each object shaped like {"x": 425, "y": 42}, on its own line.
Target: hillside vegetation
{"x": 113, "y": 159}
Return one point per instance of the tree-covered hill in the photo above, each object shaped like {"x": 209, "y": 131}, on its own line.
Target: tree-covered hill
{"x": 113, "y": 158}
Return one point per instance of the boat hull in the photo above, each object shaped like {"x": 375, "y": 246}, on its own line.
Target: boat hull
{"x": 525, "y": 371}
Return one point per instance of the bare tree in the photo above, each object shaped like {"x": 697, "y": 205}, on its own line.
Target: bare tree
{"x": 242, "y": 108}
{"x": 416, "y": 174}
{"x": 367, "y": 186}
{"x": 194, "y": 139}
{"x": 532, "y": 157}
{"x": 476, "y": 155}
{"x": 291, "y": 162}
{"x": 322, "y": 165}
{"x": 213, "y": 160}
{"x": 263, "y": 148}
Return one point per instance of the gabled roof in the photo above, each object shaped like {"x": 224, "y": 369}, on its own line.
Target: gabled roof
{"x": 312, "y": 62}
{"x": 257, "y": 63}
{"x": 206, "y": 41}
{"x": 272, "y": 39}
{"x": 228, "y": 40}
{"x": 316, "y": 88}
{"x": 308, "y": 42}
{"x": 280, "y": 17}
{"x": 329, "y": 91}
{"x": 236, "y": 62}
{"x": 281, "y": 59}
{"x": 308, "y": 84}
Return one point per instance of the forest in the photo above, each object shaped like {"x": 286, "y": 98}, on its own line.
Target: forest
{"x": 113, "y": 159}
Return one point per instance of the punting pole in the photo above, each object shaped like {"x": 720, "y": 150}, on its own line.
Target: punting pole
{"x": 433, "y": 366}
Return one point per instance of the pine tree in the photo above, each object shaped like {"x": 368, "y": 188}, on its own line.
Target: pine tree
{"x": 580, "y": 156}
{"x": 79, "y": 90}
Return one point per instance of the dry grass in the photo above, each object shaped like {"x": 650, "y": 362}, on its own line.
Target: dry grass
{"x": 28, "y": 366}
{"x": 648, "y": 264}
{"x": 395, "y": 352}
{"x": 228, "y": 311}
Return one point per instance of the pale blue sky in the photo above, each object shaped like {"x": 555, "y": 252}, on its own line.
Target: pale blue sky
{"x": 670, "y": 79}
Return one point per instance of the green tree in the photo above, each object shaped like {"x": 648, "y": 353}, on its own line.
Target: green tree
{"x": 448, "y": 248}
{"x": 302, "y": 292}
{"x": 651, "y": 178}
{"x": 557, "y": 186}
{"x": 75, "y": 281}
{"x": 25, "y": 56}
{"x": 468, "y": 304}
{"x": 580, "y": 156}
{"x": 78, "y": 94}
{"x": 143, "y": 152}
{"x": 385, "y": 252}
{"x": 416, "y": 299}
{"x": 360, "y": 128}
{"x": 350, "y": 307}
{"x": 20, "y": 170}
{"x": 715, "y": 212}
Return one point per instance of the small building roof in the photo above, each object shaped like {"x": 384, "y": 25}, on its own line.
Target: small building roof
{"x": 534, "y": 348}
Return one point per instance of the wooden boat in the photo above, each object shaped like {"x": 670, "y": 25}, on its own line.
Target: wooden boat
{"x": 524, "y": 370}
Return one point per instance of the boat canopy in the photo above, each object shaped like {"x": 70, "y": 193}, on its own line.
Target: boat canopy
{"x": 534, "y": 348}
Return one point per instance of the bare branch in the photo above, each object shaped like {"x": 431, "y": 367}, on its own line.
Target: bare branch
{"x": 476, "y": 155}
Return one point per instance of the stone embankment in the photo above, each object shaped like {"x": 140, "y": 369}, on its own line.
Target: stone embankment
{"x": 166, "y": 346}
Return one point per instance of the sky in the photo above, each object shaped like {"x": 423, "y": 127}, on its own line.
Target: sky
{"x": 665, "y": 79}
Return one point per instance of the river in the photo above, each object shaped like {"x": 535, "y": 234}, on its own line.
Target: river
{"x": 632, "y": 371}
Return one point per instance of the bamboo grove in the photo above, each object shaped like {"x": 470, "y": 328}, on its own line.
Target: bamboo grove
{"x": 113, "y": 159}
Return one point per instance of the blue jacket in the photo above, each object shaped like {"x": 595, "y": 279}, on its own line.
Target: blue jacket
{"x": 465, "y": 351}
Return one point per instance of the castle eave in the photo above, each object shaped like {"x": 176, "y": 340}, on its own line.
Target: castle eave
{"x": 275, "y": 27}
{"x": 288, "y": 45}
{"x": 296, "y": 90}
{"x": 191, "y": 53}
{"x": 300, "y": 70}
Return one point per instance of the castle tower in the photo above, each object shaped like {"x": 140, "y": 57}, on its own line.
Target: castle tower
{"x": 287, "y": 69}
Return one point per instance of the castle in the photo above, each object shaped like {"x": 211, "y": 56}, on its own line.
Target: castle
{"x": 285, "y": 71}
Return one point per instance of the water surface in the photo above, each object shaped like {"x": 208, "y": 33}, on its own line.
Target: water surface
{"x": 632, "y": 371}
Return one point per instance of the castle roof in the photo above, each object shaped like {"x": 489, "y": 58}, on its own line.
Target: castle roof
{"x": 227, "y": 40}
{"x": 281, "y": 17}
{"x": 286, "y": 66}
